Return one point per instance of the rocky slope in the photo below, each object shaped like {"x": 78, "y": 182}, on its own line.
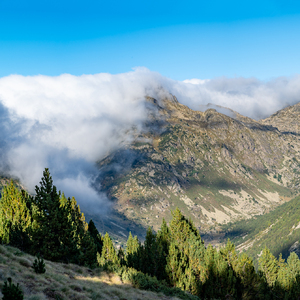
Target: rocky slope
{"x": 215, "y": 168}
{"x": 286, "y": 120}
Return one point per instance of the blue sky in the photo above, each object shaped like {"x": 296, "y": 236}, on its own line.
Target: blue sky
{"x": 178, "y": 39}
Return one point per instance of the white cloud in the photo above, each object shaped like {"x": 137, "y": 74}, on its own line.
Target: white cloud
{"x": 69, "y": 122}
{"x": 196, "y": 81}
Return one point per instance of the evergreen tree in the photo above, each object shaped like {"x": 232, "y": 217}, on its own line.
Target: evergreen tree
{"x": 293, "y": 266}
{"x": 85, "y": 252}
{"x": 288, "y": 280}
{"x": 15, "y": 217}
{"x": 53, "y": 237}
{"x": 185, "y": 251}
{"x": 133, "y": 251}
{"x": 163, "y": 242}
{"x": 208, "y": 274}
{"x": 244, "y": 268}
{"x": 163, "y": 236}
{"x": 108, "y": 256}
{"x": 150, "y": 254}
{"x": 217, "y": 275}
{"x": 173, "y": 267}
{"x": 182, "y": 229}
{"x": 95, "y": 235}
{"x": 268, "y": 265}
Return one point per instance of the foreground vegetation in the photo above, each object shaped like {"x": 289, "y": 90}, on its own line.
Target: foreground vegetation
{"x": 174, "y": 261}
{"x": 66, "y": 281}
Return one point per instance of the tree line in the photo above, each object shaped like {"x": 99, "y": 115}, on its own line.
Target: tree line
{"x": 48, "y": 225}
{"x": 53, "y": 227}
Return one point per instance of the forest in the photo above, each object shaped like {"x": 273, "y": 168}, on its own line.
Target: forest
{"x": 174, "y": 260}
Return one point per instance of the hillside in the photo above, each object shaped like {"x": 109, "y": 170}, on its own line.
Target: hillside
{"x": 286, "y": 120}
{"x": 277, "y": 230}
{"x": 215, "y": 168}
{"x": 65, "y": 281}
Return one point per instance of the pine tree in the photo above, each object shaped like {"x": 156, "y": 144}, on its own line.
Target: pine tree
{"x": 133, "y": 251}
{"x": 163, "y": 242}
{"x": 15, "y": 217}
{"x": 181, "y": 268}
{"x": 85, "y": 252}
{"x": 98, "y": 240}
{"x": 293, "y": 264}
{"x": 108, "y": 256}
{"x": 53, "y": 236}
{"x": 207, "y": 276}
{"x": 244, "y": 268}
{"x": 196, "y": 253}
{"x": 164, "y": 236}
{"x": 268, "y": 265}
{"x": 181, "y": 228}
{"x": 173, "y": 269}
{"x": 150, "y": 254}
{"x": 288, "y": 279}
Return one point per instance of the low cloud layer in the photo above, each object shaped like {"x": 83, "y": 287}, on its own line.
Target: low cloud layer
{"x": 248, "y": 96}
{"x": 67, "y": 123}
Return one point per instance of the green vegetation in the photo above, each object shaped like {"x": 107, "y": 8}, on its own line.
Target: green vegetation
{"x": 276, "y": 230}
{"x": 66, "y": 281}
{"x": 174, "y": 261}
{"x": 11, "y": 291}
{"x": 48, "y": 225}
{"x": 39, "y": 266}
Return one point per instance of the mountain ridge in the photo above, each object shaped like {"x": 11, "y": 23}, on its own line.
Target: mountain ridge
{"x": 215, "y": 168}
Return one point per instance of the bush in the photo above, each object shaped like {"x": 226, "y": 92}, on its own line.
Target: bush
{"x": 11, "y": 291}
{"x": 39, "y": 266}
{"x": 145, "y": 282}
{"x": 127, "y": 274}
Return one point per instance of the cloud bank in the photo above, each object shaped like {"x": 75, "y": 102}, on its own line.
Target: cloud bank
{"x": 67, "y": 123}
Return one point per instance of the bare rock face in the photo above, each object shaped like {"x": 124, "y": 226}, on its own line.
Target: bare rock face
{"x": 215, "y": 168}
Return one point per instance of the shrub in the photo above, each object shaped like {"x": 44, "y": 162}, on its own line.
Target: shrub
{"x": 11, "y": 291}
{"x": 39, "y": 266}
{"x": 145, "y": 282}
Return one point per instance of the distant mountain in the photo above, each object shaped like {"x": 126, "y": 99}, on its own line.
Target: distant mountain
{"x": 286, "y": 120}
{"x": 216, "y": 168}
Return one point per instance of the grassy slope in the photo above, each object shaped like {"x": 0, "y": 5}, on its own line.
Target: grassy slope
{"x": 278, "y": 230}
{"x": 65, "y": 281}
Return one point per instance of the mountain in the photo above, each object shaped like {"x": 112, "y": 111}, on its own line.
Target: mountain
{"x": 216, "y": 168}
{"x": 285, "y": 120}
{"x": 278, "y": 230}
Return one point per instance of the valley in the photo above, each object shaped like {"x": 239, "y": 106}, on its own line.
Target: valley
{"x": 216, "y": 169}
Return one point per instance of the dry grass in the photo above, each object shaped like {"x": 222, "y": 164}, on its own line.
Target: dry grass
{"x": 65, "y": 281}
